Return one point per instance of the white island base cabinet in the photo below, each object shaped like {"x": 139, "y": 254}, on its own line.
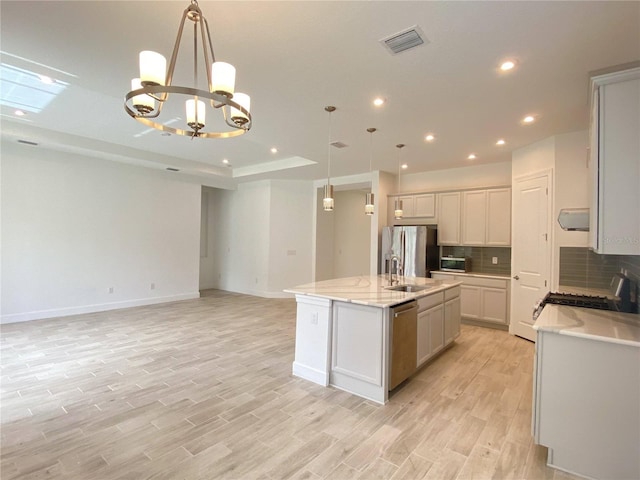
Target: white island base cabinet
{"x": 350, "y": 345}
{"x": 313, "y": 330}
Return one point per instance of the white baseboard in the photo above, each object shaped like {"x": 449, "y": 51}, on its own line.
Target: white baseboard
{"x": 311, "y": 374}
{"x": 63, "y": 312}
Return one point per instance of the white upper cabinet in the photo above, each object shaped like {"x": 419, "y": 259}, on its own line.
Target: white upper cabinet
{"x": 421, "y": 206}
{"x": 615, "y": 163}
{"x": 498, "y": 231}
{"x": 449, "y": 218}
{"x": 486, "y": 217}
{"x": 425, "y": 205}
{"x": 474, "y": 222}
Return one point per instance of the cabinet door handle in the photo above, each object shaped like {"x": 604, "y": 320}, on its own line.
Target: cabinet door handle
{"x": 516, "y": 277}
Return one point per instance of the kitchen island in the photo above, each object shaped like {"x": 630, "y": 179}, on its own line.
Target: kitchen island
{"x": 586, "y": 395}
{"x": 345, "y": 330}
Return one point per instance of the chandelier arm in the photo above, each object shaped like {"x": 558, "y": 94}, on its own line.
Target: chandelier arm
{"x": 213, "y": 97}
{"x": 176, "y": 47}
{"x": 206, "y": 38}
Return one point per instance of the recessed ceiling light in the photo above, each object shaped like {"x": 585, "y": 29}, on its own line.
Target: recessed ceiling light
{"x": 429, "y": 138}
{"x": 20, "y": 113}
{"x": 500, "y": 142}
{"x": 225, "y": 161}
{"x": 472, "y": 156}
{"x": 404, "y": 166}
{"x": 528, "y": 119}
{"x": 274, "y": 150}
{"x": 378, "y": 102}
{"x": 507, "y": 65}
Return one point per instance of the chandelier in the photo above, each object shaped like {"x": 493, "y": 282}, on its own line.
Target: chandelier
{"x": 151, "y": 91}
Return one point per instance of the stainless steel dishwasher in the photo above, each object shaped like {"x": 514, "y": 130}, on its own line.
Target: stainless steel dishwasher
{"x": 404, "y": 330}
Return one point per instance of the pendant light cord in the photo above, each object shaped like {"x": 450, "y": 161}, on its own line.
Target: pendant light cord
{"x": 329, "y": 151}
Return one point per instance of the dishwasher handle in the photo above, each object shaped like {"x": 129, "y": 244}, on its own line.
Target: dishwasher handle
{"x": 404, "y": 308}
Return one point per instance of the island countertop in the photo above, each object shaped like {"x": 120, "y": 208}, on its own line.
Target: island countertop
{"x": 602, "y": 325}
{"x": 370, "y": 289}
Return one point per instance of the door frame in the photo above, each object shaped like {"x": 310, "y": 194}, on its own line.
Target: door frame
{"x": 549, "y": 174}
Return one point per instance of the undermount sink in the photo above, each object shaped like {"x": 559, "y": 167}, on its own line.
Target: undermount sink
{"x": 408, "y": 288}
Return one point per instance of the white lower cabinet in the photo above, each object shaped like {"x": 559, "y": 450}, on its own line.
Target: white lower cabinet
{"x": 438, "y": 323}
{"x": 451, "y": 320}
{"x": 471, "y": 301}
{"x": 483, "y": 299}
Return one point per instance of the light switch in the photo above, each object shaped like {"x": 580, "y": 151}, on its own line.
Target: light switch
{"x": 494, "y": 260}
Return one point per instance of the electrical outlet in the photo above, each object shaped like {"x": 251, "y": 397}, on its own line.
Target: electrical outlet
{"x": 494, "y": 260}
{"x": 110, "y": 289}
{"x": 153, "y": 286}
{"x": 314, "y": 318}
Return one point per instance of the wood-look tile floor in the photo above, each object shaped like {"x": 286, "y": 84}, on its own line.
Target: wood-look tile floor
{"x": 202, "y": 389}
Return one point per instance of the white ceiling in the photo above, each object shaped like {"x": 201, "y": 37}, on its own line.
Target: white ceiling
{"x": 296, "y": 57}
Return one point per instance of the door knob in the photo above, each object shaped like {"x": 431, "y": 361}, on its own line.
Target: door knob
{"x": 516, "y": 277}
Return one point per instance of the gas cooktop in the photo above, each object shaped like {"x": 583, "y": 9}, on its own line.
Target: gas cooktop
{"x": 573, "y": 300}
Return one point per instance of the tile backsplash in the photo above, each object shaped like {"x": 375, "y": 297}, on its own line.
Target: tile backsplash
{"x": 580, "y": 267}
{"x": 481, "y": 258}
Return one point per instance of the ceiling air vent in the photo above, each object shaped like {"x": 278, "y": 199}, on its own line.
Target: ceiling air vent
{"x": 171, "y": 169}
{"x": 405, "y": 40}
{"x": 27, "y": 142}
{"x": 338, "y": 144}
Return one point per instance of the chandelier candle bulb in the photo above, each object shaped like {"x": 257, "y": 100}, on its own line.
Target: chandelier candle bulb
{"x": 142, "y": 103}
{"x": 153, "y": 68}
{"x": 237, "y": 116}
{"x": 195, "y": 118}
{"x": 223, "y": 78}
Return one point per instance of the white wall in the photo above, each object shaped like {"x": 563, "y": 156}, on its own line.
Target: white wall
{"x": 74, "y": 227}
{"x": 290, "y": 247}
{"x": 571, "y": 190}
{"x": 324, "y": 245}
{"x": 534, "y": 158}
{"x": 473, "y": 176}
{"x": 261, "y": 237}
{"x": 351, "y": 236}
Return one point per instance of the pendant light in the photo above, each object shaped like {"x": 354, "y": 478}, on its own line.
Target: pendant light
{"x": 398, "y": 203}
{"x": 369, "y": 201}
{"x": 327, "y": 200}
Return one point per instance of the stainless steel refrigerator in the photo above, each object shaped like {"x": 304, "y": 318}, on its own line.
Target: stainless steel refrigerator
{"x": 415, "y": 246}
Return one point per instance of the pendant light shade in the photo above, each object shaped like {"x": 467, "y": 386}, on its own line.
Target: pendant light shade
{"x": 397, "y": 209}
{"x": 398, "y": 213}
{"x": 327, "y": 200}
{"x": 369, "y": 203}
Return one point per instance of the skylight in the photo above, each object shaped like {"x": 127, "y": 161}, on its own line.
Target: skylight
{"x": 27, "y": 91}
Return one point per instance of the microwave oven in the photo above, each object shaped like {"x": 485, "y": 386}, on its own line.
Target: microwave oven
{"x": 455, "y": 264}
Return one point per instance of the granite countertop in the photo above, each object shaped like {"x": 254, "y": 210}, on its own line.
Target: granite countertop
{"x": 602, "y": 325}
{"x": 500, "y": 276}
{"x": 369, "y": 289}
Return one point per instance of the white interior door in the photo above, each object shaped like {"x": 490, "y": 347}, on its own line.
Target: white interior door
{"x": 530, "y": 251}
